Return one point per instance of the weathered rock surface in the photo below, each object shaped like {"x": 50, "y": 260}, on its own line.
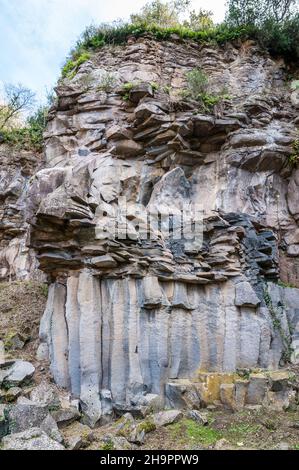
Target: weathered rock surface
{"x": 17, "y": 167}
{"x": 136, "y": 310}
{"x": 32, "y": 439}
{"x": 18, "y": 373}
{"x": 164, "y": 418}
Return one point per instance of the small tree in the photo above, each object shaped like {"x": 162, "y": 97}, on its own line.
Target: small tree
{"x": 257, "y": 12}
{"x": 157, "y": 13}
{"x": 17, "y": 100}
{"x": 281, "y": 10}
{"x": 245, "y": 12}
{"x": 199, "y": 21}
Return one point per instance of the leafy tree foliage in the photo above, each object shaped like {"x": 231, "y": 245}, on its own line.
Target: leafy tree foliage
{"x": 17, "y": 129}
{"x": 257, "y": 12}
{"x": 161, "y": 14}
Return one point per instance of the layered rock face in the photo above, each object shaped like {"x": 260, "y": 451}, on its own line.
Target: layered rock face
{"x": 17, "y": 261}
{"x": 135, "y": 307}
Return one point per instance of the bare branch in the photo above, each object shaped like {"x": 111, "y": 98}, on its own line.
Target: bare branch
{"x": 17, "y": 100}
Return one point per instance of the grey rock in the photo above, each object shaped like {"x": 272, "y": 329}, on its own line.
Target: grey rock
{"x": 140, "y": 91}
{"x": 23, "y": 416}
{"x": 136, "y": 315}
{"x": 18, "y": 374}
{"x": 164, "y": 418}
{"x": 32, "y": 439}
{"x": 46, "y": 394}
{"x": 182, "y": 395}
{"x": 150, "y": 403}
{"x": 256, "y": 389}
{"x": 245, "y": 295}
{"x": 65, "y": 416}
{"x": 121, "y": 443}
{"x": 129, "y": 429}
{"x": 198, "y": 417}
{"x": 49, "y": 426}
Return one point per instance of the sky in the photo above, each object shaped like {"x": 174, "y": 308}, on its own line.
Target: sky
{"x": 36, "y": 35}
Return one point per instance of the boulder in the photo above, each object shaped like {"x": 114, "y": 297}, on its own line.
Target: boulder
{"x": 164, "y": 418}
{"x": 149, "y": 403}
{"x": 18, "y": 374}
{"x": 127, "y": 148}
{"x": 78, "y": 436}
{"x": 121, "y": 443}
{"x": 16, "y": 341}
{"x": 46, "y": 394}
{"x": 32, "y": 439}
{"x": 227, "y": 395}
{"x": 139, "y": 91}
{"x": 26, "y": 415}
{"x": 198, "y": 417}
{"x": 12, "y": 394}
{"x": 49, "y": 426}
{"x": 65, "y": 416}
{"x": 182, "y": 395}
{"x": 256, "y": 391}
{"x": 111, "y": 442}
{"x": 134, "y": 431}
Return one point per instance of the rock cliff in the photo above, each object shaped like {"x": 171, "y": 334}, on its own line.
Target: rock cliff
{"x": 17, "y": 167}
{"x": 137, "y": 311}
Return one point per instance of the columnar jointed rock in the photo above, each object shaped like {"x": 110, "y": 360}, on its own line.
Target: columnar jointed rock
{"x": 132, "y": 308}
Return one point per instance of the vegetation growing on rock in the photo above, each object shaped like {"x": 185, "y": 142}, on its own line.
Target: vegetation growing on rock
{"x": 26, "y": 134}
{"x": 274, "y": 25}
{"x": 198, "y": 90}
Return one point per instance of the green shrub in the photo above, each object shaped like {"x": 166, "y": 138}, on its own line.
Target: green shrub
{"x": 167, "y": 89}
{"x": 197, "y": 89}
{"x": 273, "y": 24}
{"x": 71, "y": 67}
{"x": 94, "y": 38}
{"x": 155, "y": 86}
{"x": 293, "y": 159}
{"x": 126, "y": 88}
{"x": 108, "y": 445}
{"x": 280, "y": 39}
{"x": 197, "y": 83}
{"x": 29, "y": 137}
{"x": 107, "y": 82}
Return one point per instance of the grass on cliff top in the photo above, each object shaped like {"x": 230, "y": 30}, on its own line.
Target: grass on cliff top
{"x": 280, "y": 40}
{"x": 95, "y": 38}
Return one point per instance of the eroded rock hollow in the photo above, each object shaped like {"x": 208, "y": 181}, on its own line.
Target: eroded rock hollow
{"x": 134, "y": 319}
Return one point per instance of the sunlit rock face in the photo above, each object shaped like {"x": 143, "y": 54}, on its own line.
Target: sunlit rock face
{"x": 136, "y": 307}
